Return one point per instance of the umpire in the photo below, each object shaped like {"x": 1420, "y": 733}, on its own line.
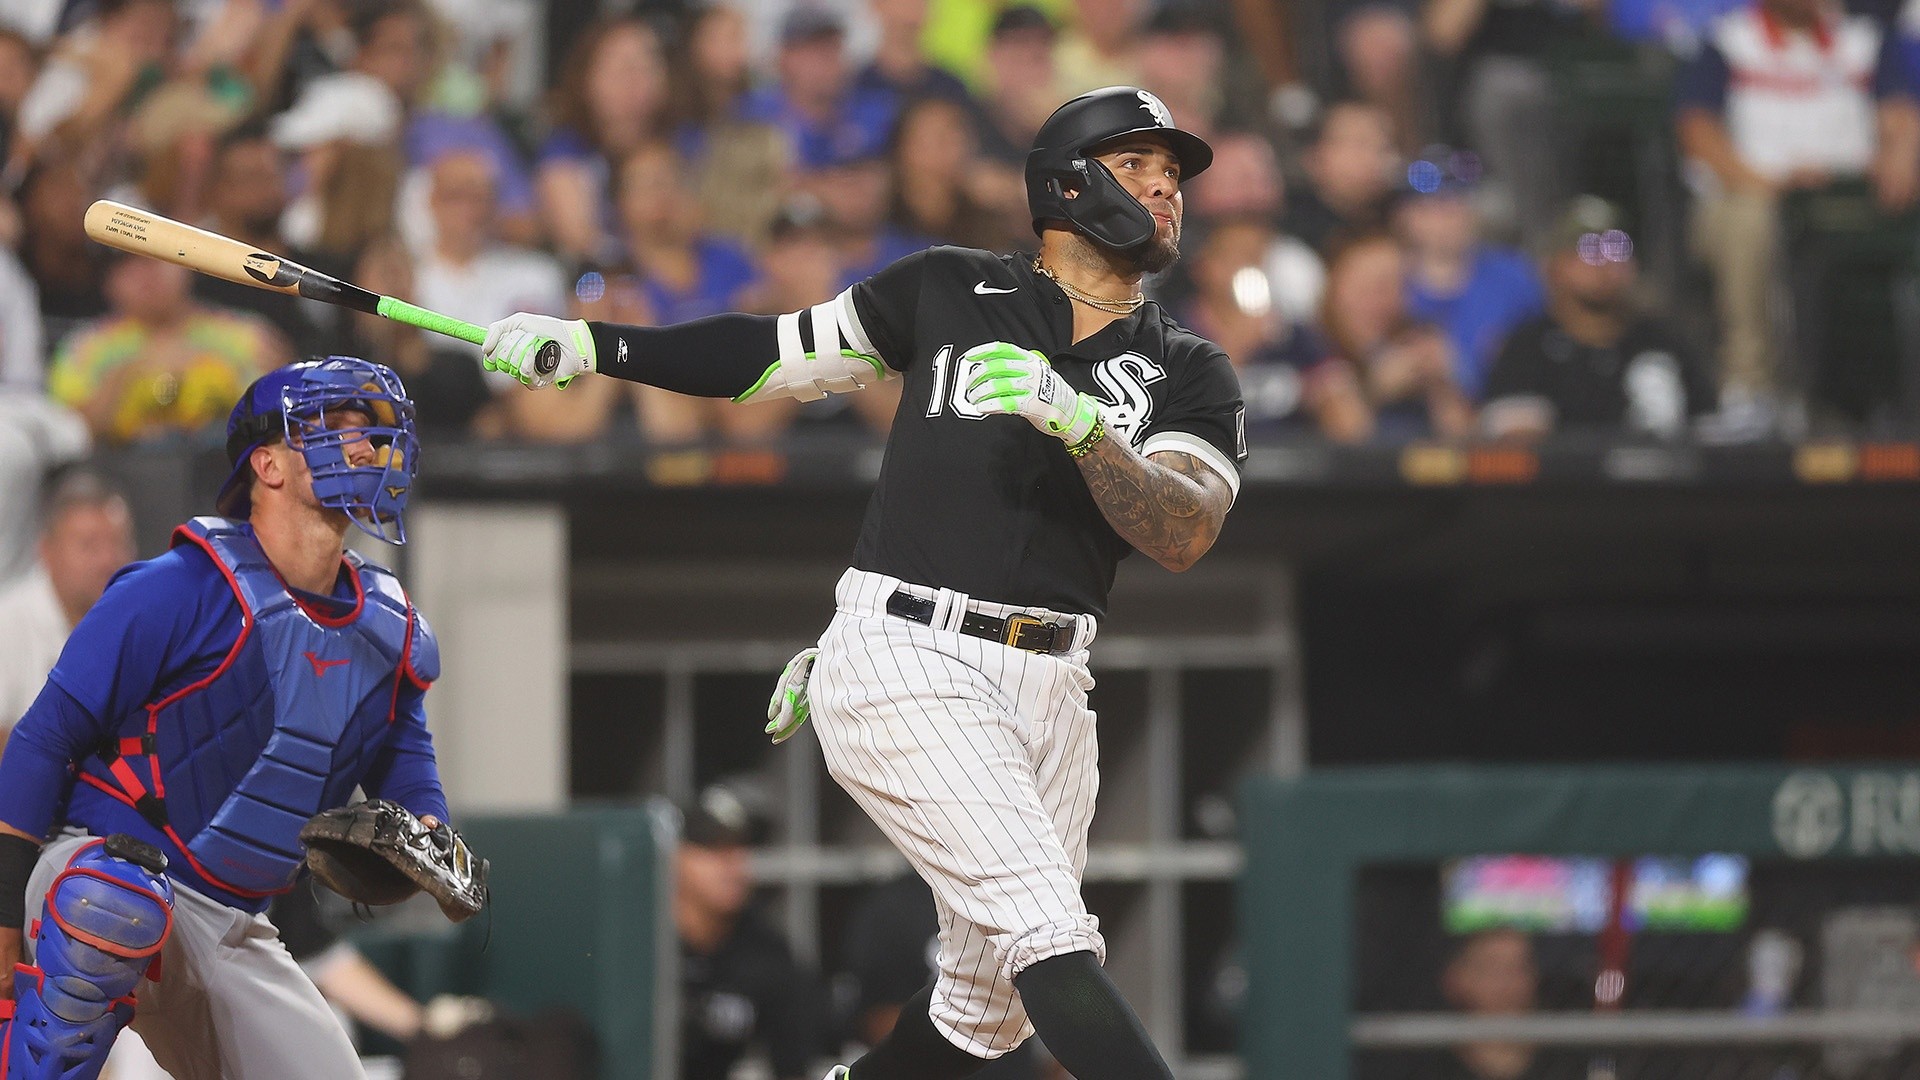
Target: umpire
{"x": 950, "y": 689}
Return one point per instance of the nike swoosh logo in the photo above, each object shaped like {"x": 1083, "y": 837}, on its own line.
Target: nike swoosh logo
{"x": 984, "y": 289}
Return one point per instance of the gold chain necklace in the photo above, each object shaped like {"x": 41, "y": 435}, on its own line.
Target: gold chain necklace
{"x": 1119, "y": 307}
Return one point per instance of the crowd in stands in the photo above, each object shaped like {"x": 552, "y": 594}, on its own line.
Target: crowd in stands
{"x": 1415, "y": 226}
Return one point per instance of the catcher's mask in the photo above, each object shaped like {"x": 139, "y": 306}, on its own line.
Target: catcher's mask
{"x": 1062, "y": 160}
{"x": 293, "y": 404}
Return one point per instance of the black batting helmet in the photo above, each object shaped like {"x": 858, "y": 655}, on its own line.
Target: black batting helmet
{"x": 1062, "y": 160}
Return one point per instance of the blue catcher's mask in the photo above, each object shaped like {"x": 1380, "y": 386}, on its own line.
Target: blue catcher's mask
{"x": 293, "y": 403}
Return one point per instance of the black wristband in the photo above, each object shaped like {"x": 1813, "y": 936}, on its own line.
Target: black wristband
{"x": 18, "y": 855}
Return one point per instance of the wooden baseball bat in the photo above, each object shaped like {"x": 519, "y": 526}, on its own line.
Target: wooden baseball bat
{"x": 120, "y": 226}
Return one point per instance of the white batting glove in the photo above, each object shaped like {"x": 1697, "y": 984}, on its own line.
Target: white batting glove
{"x": 1016, "y": 380}
{"x": 513, "y": 345}
{"x": 790, "y": 707}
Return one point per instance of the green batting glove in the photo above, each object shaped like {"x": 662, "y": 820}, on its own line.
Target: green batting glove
{"x": 789, "y": 708}
{"x": 513, "y": 345}
{"x": 1016, "y": 380}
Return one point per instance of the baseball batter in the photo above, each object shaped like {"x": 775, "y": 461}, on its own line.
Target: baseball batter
{"x": 950, "y": 690}
{"x": 152, "y": 797}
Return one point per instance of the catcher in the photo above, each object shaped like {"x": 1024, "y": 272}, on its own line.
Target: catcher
{"x": 157, "y": 793}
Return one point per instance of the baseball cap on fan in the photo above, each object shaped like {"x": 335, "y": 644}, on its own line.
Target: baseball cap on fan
{"x": 346, "y": 106}
{"x": 717, "y": 819}
{"x": 810, "y": 22}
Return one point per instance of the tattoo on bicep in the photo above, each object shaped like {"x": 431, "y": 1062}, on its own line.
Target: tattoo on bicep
{"x": 1170, "y": 507}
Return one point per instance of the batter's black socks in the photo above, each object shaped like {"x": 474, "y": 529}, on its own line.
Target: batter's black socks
{"x": 1087, "y": 1026}
{"x": 915, "y": 1049}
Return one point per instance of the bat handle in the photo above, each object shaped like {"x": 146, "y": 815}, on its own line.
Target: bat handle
{"x": 403, "y": 312}
{"x": 547, "y": 360}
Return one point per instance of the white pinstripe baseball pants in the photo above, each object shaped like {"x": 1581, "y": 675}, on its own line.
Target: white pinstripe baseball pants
{"x": 979, "y": 761}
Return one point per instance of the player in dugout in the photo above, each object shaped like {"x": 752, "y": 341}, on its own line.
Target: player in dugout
{"x": 950, "y": 689}
{"x": 152, "y": 797}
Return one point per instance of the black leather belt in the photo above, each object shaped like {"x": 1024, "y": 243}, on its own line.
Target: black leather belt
{"x": 1029, "y": 632}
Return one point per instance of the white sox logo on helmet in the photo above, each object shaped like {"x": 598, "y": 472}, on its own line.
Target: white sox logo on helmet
{"x": 1156, "y": 108}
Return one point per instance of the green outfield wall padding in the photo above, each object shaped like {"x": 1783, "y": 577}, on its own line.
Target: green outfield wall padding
{"x": 1305, "y": 838}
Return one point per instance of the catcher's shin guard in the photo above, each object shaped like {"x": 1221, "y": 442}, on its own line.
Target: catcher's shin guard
{"x": 101, "y": 929}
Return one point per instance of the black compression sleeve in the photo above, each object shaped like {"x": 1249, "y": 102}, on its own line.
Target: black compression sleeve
{"x": 720, "y": 356}
{"x": 17, "y": 858}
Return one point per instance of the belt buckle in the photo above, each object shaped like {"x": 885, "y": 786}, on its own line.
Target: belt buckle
{"x": 1017, "y": 623}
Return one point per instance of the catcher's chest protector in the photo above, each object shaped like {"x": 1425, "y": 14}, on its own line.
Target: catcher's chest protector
{"x": 286, "y": 726}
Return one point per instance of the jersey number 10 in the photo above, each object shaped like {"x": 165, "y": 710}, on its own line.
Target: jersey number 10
{"x": 1120, "y": 383}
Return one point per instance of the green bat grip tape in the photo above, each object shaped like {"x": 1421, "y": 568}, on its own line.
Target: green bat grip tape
{"x": 546, "y": 362}
{"x": 401, "y": 311}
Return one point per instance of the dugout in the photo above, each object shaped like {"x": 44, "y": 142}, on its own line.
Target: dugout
{"x": 1322, "y": 851}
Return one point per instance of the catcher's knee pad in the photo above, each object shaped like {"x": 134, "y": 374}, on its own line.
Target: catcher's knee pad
{"x": 103, "y": 923}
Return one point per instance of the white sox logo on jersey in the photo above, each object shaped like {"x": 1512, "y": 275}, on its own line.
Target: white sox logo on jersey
{"x": 1121, "y": 385}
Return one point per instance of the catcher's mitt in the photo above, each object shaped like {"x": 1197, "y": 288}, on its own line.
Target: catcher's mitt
{"x": 376, "y": 852}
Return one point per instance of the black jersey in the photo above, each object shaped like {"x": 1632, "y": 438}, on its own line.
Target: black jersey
{"x": 986, "y": 504}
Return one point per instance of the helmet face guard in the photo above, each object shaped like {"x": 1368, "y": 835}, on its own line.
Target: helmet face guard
{"x": 301, "y": 403}
{"x": 1062, "y": 160}
{"x": 374, "y": 493}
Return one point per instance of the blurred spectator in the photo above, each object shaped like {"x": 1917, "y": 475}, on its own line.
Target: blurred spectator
{"x": 815, "y": 104}
{"x": 1595, "y": 360}
{"x": 1245, "y": 181}
{"x": 23, "y": 346}
{"x": 37, "y": 435}
{"x": 1786, "y": 95}
{"x": 740, "y": 986}
{"x": 34, "y": 21}
{"x": 86, "y": 538}
{"x": 950, "y": 199}
{"x": 1404, "y": 367}
{"x": 92, "y": 72}
{"x": 1474, "y": 291}
{"x": 856, "y": 188}
{"x": 19, "y": 67}
{"x": 67, "y": 268}
{"x": 159, "y": 364}
{"x": 1505, "y": 98}
{"x": 1290, "y": 382}
{"x": 1379, "y": 51}
{"x": 1182, "y": 59}
{"x": 299, "y": 42}
{"x": 899, "y": 66}
{"x": 741, "y": 165}
{"x": 1352, "y": 169}
{"x": 609, "y": 96}
{"x": 1099, "y": 46}
{"x": 799, "y": 266}
{"x": 683, "y": 272}
{"x": 246, "y": 195}
{"x": 449, "y": 390}
{"x": 888, "y": 955}
{"x": 1019, "y": 79}
{"x": 716, "y": 67}
{"x": 958, "y": 32}
{"x": 1493, "y": 973}
{"x": 346, "y": 130}
{"x": 469, "y": 273}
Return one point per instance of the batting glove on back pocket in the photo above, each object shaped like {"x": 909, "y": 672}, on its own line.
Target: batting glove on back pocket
{"x": 790, "y": 707}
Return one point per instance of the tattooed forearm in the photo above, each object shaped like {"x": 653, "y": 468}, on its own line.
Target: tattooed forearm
{"x": 1171, "y": 507}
